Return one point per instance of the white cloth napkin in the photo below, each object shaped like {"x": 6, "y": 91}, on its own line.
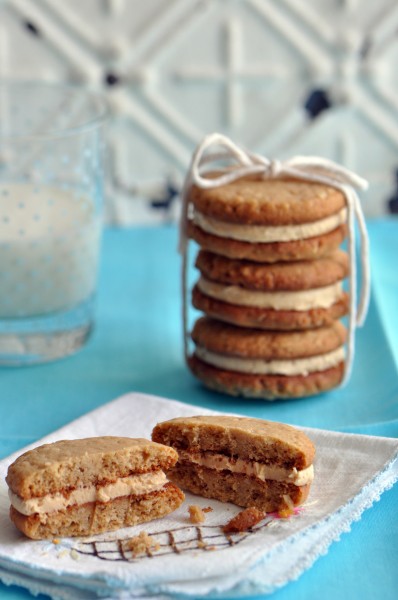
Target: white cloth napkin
{"x": 351, "y": 471}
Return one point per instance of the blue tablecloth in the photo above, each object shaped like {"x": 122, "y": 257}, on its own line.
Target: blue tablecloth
{"x": 137, "y": 345}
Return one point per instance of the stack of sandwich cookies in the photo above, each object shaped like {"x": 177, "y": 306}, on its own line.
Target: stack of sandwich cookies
{"x": 249, "y": 462}
{"x": 88, "y": 486}
{"x": 269, "y": 261}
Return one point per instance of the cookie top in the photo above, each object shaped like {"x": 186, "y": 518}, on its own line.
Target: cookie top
{"x": 226, "y": 339}
{"x": 69, "y": 464}
{"x": 256, "y": 201}
{"x": 240, "y": 437}
{"x": 300, "y": 275}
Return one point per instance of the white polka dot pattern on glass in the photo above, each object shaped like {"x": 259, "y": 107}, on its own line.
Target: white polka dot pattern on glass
{"x": 49, "y": 240}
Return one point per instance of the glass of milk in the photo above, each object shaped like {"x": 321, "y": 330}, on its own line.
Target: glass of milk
{"x": 51, "y": 197}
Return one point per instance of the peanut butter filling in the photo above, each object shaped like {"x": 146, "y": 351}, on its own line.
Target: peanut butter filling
{"x": 220, "y": 462}
{"x": 260, "y": 366}
{"x": 134, "y": 485}
{"x": 269, "y": 234}
{"x": 323, "y": 297}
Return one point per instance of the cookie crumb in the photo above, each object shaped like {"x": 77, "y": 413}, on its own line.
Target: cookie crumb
{"x": 56, "y": 541}
{"x": 141, "y": 544}
{"x": 196, "y": 514}
{"x": 244, "y": 520}
{"x": 207, "y": 509}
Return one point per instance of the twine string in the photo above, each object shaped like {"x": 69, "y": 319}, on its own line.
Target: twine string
{"x": 305, "y": 168}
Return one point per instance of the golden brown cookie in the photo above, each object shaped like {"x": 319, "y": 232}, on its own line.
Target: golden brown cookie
{"x": 250, "y": 462}
{"x": 91, "y": 485}
{"x": 301, "y": 275}
{"x": 268, "y": 220}
{"x": 267, "y": 364}
{"x": 266, "y": 387}
{"x": 294, "y": 295}
{"x": 258, "y": 201}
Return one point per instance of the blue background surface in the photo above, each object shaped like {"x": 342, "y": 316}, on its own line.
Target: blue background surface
{"x": 137, "y": 345}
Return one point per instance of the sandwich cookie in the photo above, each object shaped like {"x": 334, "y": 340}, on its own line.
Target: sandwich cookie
{"x": 88, "y": 486}
{"x": 268, "y": 220}
{"x": 267, "y": 364}
{"x": 290, "y": 295}
{"x": 250, "y": 462}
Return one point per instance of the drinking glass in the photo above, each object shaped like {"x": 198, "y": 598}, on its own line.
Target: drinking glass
{"x": 51, "y": 198}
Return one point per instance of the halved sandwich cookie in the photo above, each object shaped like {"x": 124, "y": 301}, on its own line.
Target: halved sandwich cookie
{"x": 286, "y": 295}
{"x": 250, "y": 462}
{"x": 267, "y": 364}
{"x": 87, "y": 486}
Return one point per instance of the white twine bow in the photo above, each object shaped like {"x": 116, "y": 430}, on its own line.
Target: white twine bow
{"x": 305, "y": 168}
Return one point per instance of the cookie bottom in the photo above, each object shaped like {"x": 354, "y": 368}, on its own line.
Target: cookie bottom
{"x": 271, "y": 252}
{"x": 268, "y": 318}
{"x": 237, "y": 488}
{"x": 267, "y": 387}
{"x": 97, "y": 517}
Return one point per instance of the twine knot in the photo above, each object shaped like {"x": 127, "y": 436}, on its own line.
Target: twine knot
{"x": 275, "y": 169}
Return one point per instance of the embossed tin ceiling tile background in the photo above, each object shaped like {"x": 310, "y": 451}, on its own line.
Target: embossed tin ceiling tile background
{"x": 282, "y": 77}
